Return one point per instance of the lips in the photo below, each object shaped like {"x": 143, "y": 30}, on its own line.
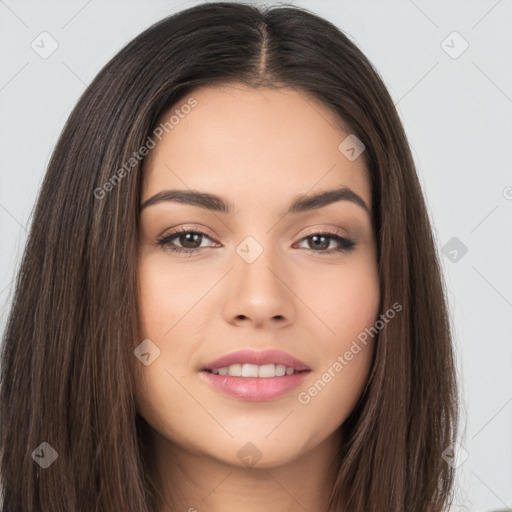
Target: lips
{"x": 235, "y": 374}
{"x": 258, "y": 358}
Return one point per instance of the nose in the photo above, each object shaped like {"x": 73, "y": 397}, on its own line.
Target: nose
{"x": 259, "y": 293}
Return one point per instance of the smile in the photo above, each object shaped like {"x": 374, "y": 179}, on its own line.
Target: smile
{"x": 253, "y": 370}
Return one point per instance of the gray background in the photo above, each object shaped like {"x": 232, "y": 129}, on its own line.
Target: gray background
{"x": 457, "y": 112}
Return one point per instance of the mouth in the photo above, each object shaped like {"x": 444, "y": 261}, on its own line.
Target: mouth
{"x": 255, "y": 376}
{"x": 247, "y": 370}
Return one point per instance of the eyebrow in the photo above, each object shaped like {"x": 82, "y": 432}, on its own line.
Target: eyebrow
{"x": 218, "y": 204}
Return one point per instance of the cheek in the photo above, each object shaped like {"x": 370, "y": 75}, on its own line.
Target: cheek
{"x": 346, "y": 301}
{"x": 348, "y": 305}
{"x": 331, "y": 397}
{"x": 346, "y": 350}
{"x": 165, "y": 295}
{"x": 163, "y": 301}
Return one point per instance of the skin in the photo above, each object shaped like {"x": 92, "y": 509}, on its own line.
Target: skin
{"x": 259, "y": 149}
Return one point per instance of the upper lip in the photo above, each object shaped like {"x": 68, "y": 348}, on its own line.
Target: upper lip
{"x": 258, "y": 358}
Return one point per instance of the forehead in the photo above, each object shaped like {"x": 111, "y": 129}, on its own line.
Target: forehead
{"x": 252, "y": 145}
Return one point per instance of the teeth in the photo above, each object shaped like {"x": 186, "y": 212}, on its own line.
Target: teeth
{"x": 250, "y": 370}
{"x": 267, "y": 370}
{"x": 253, "y": 370}
{"x": 281, "y": 370}
{"x": 235, "y": 370}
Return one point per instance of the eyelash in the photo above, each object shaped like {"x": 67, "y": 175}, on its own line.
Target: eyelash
{"x": 346, "y": 244}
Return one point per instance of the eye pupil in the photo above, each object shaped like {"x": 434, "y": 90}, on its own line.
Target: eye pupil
{"x": 322, "y": 245}
{"x": 190, "y": 238}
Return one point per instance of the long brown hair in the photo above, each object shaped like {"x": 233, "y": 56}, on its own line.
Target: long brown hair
{"x": 67, "y": 365}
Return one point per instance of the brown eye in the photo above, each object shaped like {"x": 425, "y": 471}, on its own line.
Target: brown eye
{"x": 320, "y": 242}
{"x": 189, "y": 240}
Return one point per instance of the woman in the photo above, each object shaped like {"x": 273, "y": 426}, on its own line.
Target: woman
{"x": 230, "y": 297}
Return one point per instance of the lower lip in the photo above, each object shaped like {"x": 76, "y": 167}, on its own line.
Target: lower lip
{"x": 255, "y": 389}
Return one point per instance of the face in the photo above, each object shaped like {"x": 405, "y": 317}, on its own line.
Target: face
{"x": 257, "y": 275}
